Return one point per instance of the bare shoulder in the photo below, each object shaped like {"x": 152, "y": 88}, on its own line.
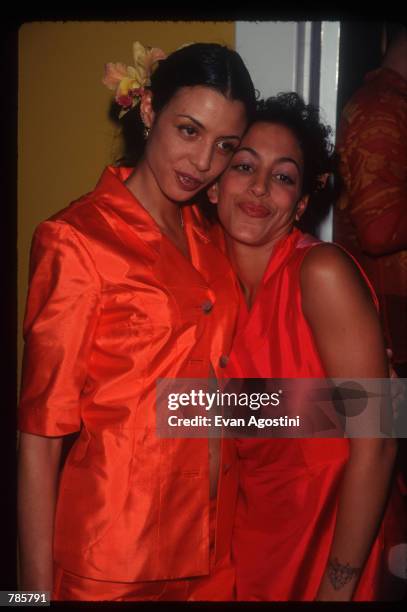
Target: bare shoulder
{"x": 327, "y": 260}
{"x": 327, "y": 268}
{"x": 339, "y": 307}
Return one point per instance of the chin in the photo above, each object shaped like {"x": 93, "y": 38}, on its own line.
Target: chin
{"x": 246, "y": 238}
{"x": 252, "y": 242}
{"x": 179, "y": 196}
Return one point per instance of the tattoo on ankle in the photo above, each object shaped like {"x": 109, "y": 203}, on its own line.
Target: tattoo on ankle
{"x": 340, "y": 574}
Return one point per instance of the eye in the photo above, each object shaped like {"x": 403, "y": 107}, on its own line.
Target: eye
{"x": 187, "y": 130}
{"x": 226, "y": 146}
{"x": 283, "y": 178}
{"x": 244, "y": 168}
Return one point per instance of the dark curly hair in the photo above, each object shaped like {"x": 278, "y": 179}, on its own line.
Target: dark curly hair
{"x": 290, "y": 110}
{"x": 314, "y": 138}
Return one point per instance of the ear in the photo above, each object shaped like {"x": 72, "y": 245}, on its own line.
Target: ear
{"x": 323, "y": 179}
{"x": 146, "y": 109}
{"x": 301, "y": 207}
{"x": 213, "y": 193}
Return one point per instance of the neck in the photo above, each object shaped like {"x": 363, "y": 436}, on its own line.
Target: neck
{"x": 145, "y": 188}
{"x": 250, "y": 263}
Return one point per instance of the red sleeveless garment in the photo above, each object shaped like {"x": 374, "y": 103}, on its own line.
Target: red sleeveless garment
{"x": 289, "y": 487}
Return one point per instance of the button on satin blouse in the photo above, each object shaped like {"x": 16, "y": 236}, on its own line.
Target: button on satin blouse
{"x": 113, "y": 305}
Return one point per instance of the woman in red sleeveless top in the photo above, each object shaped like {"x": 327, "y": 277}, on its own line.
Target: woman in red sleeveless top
{"x": 309, "y": 521}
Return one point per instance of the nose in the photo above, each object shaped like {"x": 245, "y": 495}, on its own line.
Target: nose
{"x": 202, "y": 157}
{"x": 259, "y": 185}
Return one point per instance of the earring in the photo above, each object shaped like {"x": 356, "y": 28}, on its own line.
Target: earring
{"x": 298, "y": 214}
{"x": 146, "y": 132}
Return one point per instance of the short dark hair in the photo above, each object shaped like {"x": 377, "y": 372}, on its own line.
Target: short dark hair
{"x": 199, "y": 64}
{"x": 290, "y": 110}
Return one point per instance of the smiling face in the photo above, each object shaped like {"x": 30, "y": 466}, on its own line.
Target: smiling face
{"x": 259, "y": 195}
{"x": 192, "y": 139}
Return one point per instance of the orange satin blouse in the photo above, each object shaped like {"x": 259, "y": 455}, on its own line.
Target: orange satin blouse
{"x": 113, "y": 305}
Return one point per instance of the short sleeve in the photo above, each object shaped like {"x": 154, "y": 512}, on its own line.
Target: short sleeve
{"x": 60, "y": 320}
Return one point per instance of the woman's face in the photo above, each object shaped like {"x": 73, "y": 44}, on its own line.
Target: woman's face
{"x": 259, "y": 195}
{"x": 192, "y": 140}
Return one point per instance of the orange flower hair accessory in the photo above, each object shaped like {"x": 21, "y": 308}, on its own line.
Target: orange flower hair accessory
{"x": 129, "y": 81}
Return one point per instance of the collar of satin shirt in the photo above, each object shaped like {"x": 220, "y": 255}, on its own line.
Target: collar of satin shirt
{"x": 111, "y": 190}
{"x": 133, "y": 307}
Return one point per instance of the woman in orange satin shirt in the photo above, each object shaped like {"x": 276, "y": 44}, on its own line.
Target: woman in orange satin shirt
{"x": 309, "y": 514}
{"x": 127, "y": 286}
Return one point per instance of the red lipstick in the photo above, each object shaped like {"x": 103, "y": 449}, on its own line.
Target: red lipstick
{"x": 188, "y": 182}
{"x": 253, "y": 209}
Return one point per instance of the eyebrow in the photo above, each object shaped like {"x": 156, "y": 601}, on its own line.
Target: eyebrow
{"x": 249, "y": 149}
{"x": 289, "y": 159}
{"x": 199, "y": 124}
{"x": 280, "y": 159}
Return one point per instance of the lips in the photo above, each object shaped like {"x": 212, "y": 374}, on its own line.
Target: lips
{"x": 252, "y": 209}
{"x": 188, "y": 182}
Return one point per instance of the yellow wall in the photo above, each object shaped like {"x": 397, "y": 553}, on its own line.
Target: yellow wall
{"x": 65, "y": 136}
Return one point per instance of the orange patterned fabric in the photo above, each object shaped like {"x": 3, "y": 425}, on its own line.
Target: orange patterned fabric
{"x": 113, "y": 305}
{"x": 371, "y": 214}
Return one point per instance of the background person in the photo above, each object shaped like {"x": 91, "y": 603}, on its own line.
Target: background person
{"x": 371, "y": 213}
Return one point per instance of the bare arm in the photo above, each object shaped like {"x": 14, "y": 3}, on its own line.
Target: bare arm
{"x": 340, "y": 311}
{"x": 38, "y": 468}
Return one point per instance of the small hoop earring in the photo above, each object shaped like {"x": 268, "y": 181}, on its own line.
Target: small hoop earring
{"x": 146, "y": 132}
